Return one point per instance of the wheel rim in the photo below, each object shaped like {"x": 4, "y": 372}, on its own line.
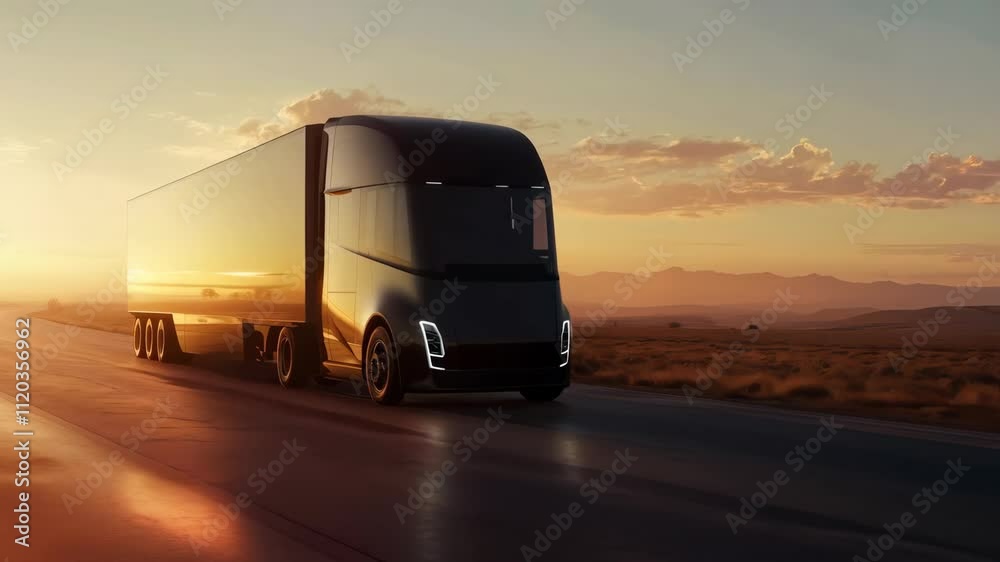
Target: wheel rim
{"x": 161, "y": 340}
{"x": 378, "y": 366}
{"x": 150, "y": 342}
{"x": 137, "y": 337}
{"x": 284, "y": 358}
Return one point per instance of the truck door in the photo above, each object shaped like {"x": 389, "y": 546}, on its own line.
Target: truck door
{"x": 341, "y": 276}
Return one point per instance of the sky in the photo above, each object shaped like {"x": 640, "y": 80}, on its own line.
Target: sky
{"x": 852, "y": 138}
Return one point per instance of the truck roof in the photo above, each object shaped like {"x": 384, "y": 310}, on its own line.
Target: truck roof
{"x": 430, "y": 150}
{"x": 399, "y": 126}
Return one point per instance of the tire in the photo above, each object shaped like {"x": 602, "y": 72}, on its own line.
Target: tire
{"x": 166, "y": 343}
{"x": 293, "y": 359}
{"x": 381, "y": 369}
{"x": 138, "y": 339}
{"x": 544, "y": 394}
{"x": 149, "y": 338}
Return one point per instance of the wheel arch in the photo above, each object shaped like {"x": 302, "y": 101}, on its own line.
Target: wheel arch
{"x": 374, "y": 321}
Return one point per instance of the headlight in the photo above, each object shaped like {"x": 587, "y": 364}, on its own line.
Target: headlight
{"x": 433, "y": 343}
{"x": 564, "y": 338}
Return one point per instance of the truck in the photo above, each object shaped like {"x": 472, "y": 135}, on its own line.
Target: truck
{"x": 407, "y": 254}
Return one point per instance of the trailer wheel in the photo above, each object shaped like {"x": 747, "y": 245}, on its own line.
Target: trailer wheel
{"x": 293, "y": 358}
{"x": 149, "y": 338}
{"x": 381, "y": 370}
{"x": 166, "y": 342}
{"x": 138, "y": 344}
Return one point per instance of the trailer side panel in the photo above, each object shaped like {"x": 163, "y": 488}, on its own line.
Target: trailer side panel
{"x": 226, "y": 245}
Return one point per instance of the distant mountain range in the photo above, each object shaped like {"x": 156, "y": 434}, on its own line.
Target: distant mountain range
{"x": 713, "y": 295}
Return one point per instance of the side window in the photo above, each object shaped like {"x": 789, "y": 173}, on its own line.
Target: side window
{"x": 362, "y": 157}
{"x": 392, "y": 231}
{"x": 540, "y": 224}
{"x": 347, "y": 220}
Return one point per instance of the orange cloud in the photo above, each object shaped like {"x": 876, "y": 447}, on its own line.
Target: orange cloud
{"x": 644, "y": 177}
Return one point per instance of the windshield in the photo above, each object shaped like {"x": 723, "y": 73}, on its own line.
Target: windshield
{"x": 495, "y": 233}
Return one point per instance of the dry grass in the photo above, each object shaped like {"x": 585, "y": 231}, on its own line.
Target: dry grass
{"x": 953, "y": 382}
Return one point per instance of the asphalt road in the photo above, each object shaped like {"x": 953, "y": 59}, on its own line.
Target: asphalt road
{"x": 134, "y": 460}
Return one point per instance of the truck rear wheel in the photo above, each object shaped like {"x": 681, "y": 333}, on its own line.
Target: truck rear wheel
{"x": 138, "y": 342}
{"x": 293, "y": 357}
{"x": 381, "y": 369}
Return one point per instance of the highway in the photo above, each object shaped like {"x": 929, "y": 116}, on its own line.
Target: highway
{"x": 140, "y": 461}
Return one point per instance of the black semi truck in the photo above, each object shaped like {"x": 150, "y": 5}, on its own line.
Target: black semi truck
{"x": 417, "y": 255}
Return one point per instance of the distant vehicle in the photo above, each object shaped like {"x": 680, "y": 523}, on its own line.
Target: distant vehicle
{"x": 415, "y": 254}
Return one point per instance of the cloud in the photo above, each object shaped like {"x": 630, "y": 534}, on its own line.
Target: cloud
{"x": 207, "y": 153}
{"x": 692, "y": 177}
{"x": 196, "y": 126}
{"x": 317, "y": 107}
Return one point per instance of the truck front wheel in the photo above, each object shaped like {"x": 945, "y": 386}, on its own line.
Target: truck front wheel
{"x": 381, "y": 369}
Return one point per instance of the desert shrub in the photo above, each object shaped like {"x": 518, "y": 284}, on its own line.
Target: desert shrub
{"x": 978, "y": 395}
{"x": 54, "y": 305}
{"x": 675, "y": 324}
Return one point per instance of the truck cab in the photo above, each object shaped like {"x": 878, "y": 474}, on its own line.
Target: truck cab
{"x": 440, "y": 260}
